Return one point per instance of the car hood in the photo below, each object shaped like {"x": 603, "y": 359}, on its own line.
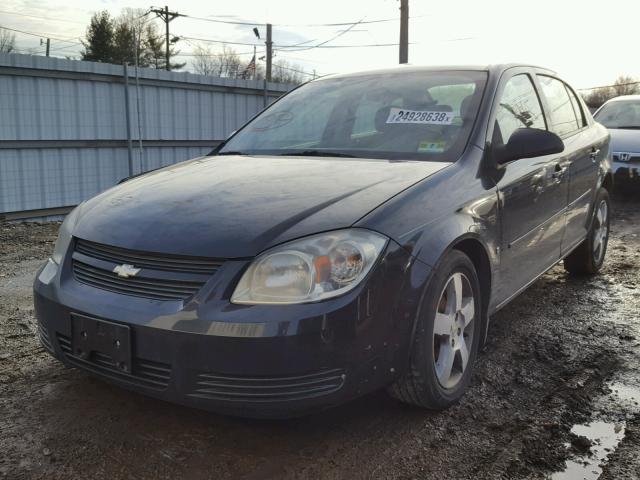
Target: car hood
{"x": 624, "y": 140}
{"x": 237, "y": 206}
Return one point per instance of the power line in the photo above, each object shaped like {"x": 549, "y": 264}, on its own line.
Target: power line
{"x": 210, "y": 54}
{"x": 255, "y": 24}
{"x": 326, "y": 41}
{"x": 56, "y": 49}
{"x": 41, "y": 35}
{"x": 343, "y": 24}
{"x": 340, "y": 24}
{"x": 609, "y": 86}
{"x": 211, "y": 40}
{"x": 276, "y": 66}
{"x": 228, "y": 22}
{"x": 41, "y": 18}
{"x": 370, "y": 45}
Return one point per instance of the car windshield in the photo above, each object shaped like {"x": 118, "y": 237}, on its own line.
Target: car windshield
{"x": 620, "y": 114}
{"x": 423, "y": 115}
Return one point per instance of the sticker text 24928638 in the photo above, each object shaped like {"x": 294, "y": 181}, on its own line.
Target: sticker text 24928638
{"x": 401, "y": 115}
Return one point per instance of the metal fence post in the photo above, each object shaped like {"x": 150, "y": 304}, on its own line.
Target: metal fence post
{"x": 154, "y": 128}
{"x": 128, "y": 118}
{"x": 264, "y": 94}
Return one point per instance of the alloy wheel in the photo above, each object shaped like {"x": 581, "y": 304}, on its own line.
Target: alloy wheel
{"x": 600, "y": 231}
{"x": 453, "y": 330}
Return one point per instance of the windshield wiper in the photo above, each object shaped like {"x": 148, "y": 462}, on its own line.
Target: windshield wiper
{"x": 233, "y": 152}
{"x": 317, "y": 153}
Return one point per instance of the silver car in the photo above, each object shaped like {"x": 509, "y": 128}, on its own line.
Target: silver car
{"x": 621, "y": 115}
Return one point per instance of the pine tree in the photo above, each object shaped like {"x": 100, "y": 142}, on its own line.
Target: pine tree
{"x": 153, "y": 48}
{"x": 119, "y": 40}
{"x": 124, "y": 47}
{"x": 99, "y": 46}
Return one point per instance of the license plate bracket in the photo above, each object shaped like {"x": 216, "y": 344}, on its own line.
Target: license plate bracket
{"x": 93, "y": 338}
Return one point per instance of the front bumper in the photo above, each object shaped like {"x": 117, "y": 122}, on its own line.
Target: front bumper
{"x": 626, "y": 174}
{"x": 256, "y": 361}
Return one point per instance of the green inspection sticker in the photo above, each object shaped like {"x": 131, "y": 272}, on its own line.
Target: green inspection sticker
{"x": 431, "y": 147}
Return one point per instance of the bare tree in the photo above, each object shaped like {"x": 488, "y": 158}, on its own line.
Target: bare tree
{"x": 625, "y": 85}
{"x": 204, "y": 61}
{"x": 225, "y": 63}
{"x": 596, "y": 97}
{"x": 128, "y": 40}
{"x": 285, "y": 72}
{"x": 7, "y": 41}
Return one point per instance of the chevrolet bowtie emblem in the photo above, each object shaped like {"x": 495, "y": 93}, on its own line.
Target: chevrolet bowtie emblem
{"x": 125, "y": 270}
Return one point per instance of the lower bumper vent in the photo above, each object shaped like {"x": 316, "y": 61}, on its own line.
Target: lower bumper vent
{"x": 43, "y": 335}
{"x": 267, "y": 389}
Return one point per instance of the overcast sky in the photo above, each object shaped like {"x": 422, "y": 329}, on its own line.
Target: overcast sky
{"x": 587, "y": 46}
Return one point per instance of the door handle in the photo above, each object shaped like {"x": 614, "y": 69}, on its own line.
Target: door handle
{"x": 558, "y": 171}
{"x": 594, "y": 154}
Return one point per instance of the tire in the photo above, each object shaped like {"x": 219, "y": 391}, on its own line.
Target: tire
{"x": 426, "y": 384}
{"x": 588, "y": 257}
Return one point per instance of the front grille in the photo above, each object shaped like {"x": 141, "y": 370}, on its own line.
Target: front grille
{"x": 161, "y": 277}
{"x": 142, "y": 287}
{"x": 153, "y": 261}
{"x": 626, "y": 157}
{"x": 146, "y": 373}
{"x": 267, "y": 389}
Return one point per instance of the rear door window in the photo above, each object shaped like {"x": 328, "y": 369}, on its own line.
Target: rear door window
{"x": 563, "y": 120}
{"x": 577, "y": 108}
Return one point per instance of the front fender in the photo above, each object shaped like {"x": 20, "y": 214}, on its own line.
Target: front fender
{"x": 456, "y": 207}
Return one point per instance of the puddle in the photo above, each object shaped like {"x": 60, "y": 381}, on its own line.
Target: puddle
{"x": 626, "y": 396}
{"x": 604, "y": 437}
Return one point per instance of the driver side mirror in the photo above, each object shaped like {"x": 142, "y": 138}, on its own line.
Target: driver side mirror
{"x": 529, "y": 143}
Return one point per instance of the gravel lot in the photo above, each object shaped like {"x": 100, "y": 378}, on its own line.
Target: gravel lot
{"x": 556, "y": 388}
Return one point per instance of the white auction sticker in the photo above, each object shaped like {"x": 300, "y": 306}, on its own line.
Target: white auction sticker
{"x": 401, "y": 115}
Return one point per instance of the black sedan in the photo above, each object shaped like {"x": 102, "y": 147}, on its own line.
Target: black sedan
{"x": 357, "y": 234}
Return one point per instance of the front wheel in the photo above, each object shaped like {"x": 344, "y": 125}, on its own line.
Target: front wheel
{"x": 446, "y": 337}
{"x": 588, "y": 257}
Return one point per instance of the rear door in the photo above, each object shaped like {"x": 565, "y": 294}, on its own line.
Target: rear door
{"x": 533, "y": 191}
{"x": 582, "y": 154}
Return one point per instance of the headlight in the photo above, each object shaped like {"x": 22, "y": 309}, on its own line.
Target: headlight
{"x": 64, "y": 236}
{"x": 311, "y": 269}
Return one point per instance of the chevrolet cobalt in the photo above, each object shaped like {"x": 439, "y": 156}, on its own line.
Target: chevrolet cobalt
{"x": 357, "y": 234}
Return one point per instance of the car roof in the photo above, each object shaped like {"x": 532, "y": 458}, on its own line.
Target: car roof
{"x": 624, "y": 98}
{"x": 492, "y": 68}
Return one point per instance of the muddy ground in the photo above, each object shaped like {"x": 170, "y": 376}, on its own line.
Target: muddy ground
{"x": 565, "y": 354}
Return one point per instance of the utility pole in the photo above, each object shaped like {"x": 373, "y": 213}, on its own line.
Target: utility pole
{"x": 269, "y": 44}
{"x": 404, "y": 31}
{"x": 166, "y": 16}
{"x": 48, "y": 44}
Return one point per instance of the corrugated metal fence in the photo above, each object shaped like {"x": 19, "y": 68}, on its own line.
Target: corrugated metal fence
{"x": 70, "y": 129}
